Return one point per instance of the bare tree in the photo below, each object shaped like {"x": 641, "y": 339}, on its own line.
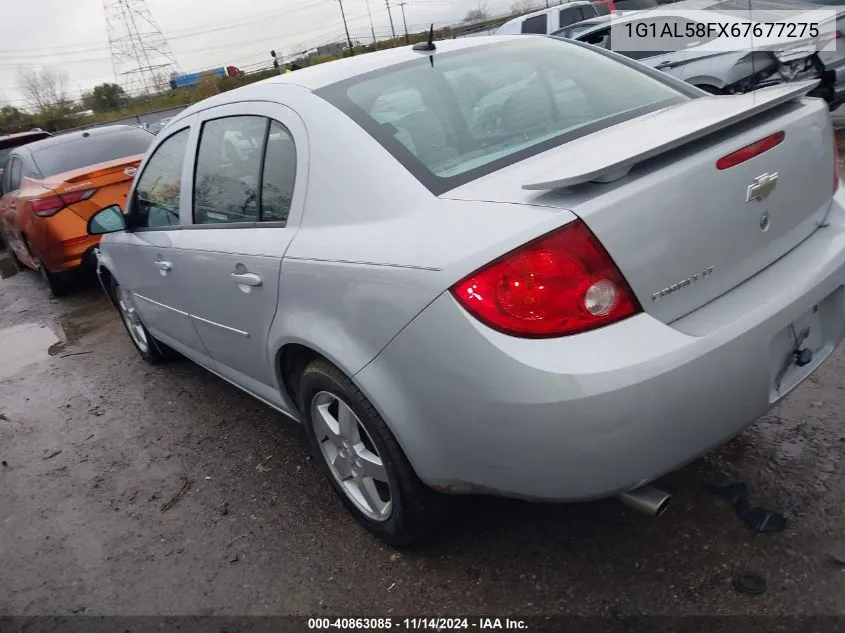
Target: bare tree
{"x": 44, "y": 87}
{"x": 161, "y": 80}
{"x": 475, "y": 15}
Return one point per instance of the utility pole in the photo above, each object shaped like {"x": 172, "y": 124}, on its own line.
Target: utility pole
{"x": 390, "y": 15}
{"x": 346, "y": 28}
{"x": 405, "y": 22}
{"x": 372, "y": 28}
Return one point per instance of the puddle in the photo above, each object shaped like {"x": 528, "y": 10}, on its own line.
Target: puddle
{"x": 26, "y": 344}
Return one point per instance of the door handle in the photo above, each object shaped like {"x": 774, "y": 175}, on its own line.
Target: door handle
{"x": 164, "y": 266}
{"x": 247, "y": 279}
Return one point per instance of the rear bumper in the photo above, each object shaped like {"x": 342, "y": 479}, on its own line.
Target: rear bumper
{"x": 65, "y": 257}
{"x": 599, "y": 413}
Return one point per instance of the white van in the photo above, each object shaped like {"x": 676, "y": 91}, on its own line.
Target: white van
{"x": 547, "y": 21}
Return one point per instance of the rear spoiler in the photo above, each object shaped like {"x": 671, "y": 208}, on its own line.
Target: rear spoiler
{"x": 610, "y": 154}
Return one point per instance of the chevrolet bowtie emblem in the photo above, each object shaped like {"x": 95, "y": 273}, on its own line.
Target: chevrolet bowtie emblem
{"x": 763, "y": 185}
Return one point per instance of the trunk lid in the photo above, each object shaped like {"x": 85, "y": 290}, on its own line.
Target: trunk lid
{"x": 111, "y": 180}
{"x": 682, "y": 231}
{"x": 98, "y": 175}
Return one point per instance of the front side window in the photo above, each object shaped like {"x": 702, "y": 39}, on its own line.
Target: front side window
{"x": 228, "y": 171}
{"x": 480, "y": 109}
{"x": 570, "y": 16}
{"x": 156, "y": 198}
{"x": 536, "y": 25}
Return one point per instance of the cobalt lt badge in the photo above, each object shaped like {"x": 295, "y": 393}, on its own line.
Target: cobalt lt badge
{"x": 761, "y": 187}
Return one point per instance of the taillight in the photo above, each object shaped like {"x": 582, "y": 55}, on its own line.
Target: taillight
{"x": 46, "y": 207}
{"x": 750, "y": 151}
{"x": 560, "y": 284}
{"x": 836, "y": 172}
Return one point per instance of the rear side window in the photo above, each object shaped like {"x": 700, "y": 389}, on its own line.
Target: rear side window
{"x": 81, "y": 152}
{"x": 571, "y": 16}
{"x": 278, "y": 175}
{"x": 490, "y": 106}
{"x": 537, "y": 25}
{"x": 228, "y": 170}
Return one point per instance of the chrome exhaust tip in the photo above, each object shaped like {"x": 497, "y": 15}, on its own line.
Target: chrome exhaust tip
{"x": 647, "y": 500}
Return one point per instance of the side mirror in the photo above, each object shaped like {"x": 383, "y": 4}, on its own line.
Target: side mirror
{"x": 108, "y": 220}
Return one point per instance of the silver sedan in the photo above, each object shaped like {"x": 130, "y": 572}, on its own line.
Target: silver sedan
{"x": 594, "y": 277}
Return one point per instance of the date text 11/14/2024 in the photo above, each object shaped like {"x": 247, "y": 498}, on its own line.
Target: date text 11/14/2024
{"x": 416, "y": 624}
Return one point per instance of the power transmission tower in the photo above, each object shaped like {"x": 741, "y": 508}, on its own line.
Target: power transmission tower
{"x": 141, "y": 58}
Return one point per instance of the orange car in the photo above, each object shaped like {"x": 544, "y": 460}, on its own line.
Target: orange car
{"x": 51, "y": 187}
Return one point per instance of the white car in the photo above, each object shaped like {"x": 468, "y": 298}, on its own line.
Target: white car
{"x": 547, "y": 21}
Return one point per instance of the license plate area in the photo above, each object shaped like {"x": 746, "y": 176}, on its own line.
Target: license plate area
{"x": 822, "y": 324}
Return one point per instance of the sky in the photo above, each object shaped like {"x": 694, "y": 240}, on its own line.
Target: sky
{"x": 72, "y": 34}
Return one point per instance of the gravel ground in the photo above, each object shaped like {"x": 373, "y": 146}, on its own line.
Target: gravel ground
{"x": 94, "y": 444}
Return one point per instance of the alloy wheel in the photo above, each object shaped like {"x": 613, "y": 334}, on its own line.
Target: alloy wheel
{"x": 126, "y": 305}
{"x": 351, "y": 456}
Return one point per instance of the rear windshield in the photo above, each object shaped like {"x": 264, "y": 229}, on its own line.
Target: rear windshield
{"x": 468, "y": 113}
{"x": 84, "y": 151}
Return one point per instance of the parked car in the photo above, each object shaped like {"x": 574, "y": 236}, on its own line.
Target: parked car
{"x": 52, "y": 187}
{"x": 614, "y": 276}
{"x": 705, "y": 63}
{"x": 605, "y": 7}
{"x": 11, "y": 141}
{"x": 549, "y": 20}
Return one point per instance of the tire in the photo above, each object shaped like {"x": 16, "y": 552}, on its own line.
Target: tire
{"x": 15, "y": 260}
{"x": 58, "y": 284}
{"x": 149, "y": 348}
{"x": 412, "y": 504}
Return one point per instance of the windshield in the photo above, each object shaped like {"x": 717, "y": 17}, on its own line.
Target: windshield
{"x": 83, "y": 151}
{"x": 483, "y": 108}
